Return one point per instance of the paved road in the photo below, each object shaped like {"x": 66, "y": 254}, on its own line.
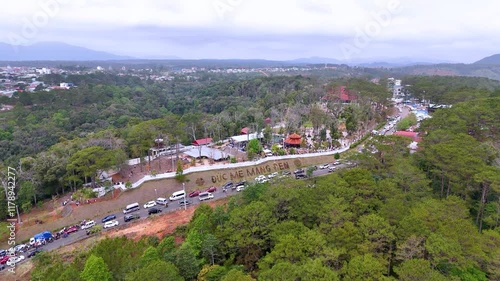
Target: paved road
{"x": 172, "y": 207}
{"x": 405, "y": 111}
{"x": 143, "y": 213}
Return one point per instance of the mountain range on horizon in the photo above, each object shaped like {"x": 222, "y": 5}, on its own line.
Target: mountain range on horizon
{"x": 491, "y": 60}
{"x": 57, "y": 51}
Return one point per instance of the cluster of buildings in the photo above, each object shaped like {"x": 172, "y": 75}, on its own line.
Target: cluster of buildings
{"x": 24, "y": 78}
{"x": 261, "y": 70}
{"x": 27, "y": 78}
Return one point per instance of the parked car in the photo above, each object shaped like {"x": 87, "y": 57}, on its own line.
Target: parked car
{"x": 21, "y": 248}
{"x": 149, "y": 204}
{"x": 299, "y": 171}
{"x": 205, "y": 196}
{"x": 241, "y": 187}
{"x": 286, "y": 173}
{"x": 260, "y": 178}
{"x": 336, "y": 163}
{"x": 3, "y": 253}
{"x": 211, "y": 189}
{"x": 331, "y": 169}
{"x": 162, "y": 201}
{"x": 324, "y": 166}
{"x": 4, "y": 259}
{"x": 108, "y": 218}
{"x": 71, "y": 229}
{"x": 240, "y": 184}
{"x": 34, "y": 253}
{"x": 128, "y": 218}
{"x": 112, "y": 223}
{"x": 228, "y": 185}
{"x": 300, "y": 176}
{"x": 273, "y": 175}
{"x": 88, "y": 224}
{"x": 194, "y": 193}
{"x": 14, "y": 260}
{"x": 184, "y": 202}
{"x": 154, "y": 211}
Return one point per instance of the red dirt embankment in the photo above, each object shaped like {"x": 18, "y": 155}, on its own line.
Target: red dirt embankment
{"x": 160, "y": 225}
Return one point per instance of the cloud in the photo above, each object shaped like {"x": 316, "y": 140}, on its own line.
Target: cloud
{"x": 271, "y": 29}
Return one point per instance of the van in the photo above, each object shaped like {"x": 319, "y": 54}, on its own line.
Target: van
{"x": 88, "y": 224}
{"x": 177, "y": 195}
{"x": 131, "y": 208}
{"x": 162, "y": 201}
{"x": 205, "y": 196}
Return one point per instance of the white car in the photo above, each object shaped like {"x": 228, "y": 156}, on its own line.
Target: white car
{"x": 112, "y": 223}
{"x": 13, "y": 260}
{"x": 260, "y": 178}
{"x": 149, "y": 204}
{"x": 21, "y": 248}
{"x": 273, "y": 175}
{"x": 88, "y": 224}
{"x": 205, "y": 196}
{"x": 325, "y": 166}
{"x": 240, "y": 188}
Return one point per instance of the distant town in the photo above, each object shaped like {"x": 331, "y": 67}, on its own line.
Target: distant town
{"x": 28, "y": 78}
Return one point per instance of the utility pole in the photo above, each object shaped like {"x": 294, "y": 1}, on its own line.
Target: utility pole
{"x": 184, "y": 189}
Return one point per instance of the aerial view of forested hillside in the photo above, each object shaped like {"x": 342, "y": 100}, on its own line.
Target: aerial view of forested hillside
{"x": 228, "y": 140}
{"x": 432, "y": 214}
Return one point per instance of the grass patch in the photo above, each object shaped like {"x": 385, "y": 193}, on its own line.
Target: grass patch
{"x": 4, "y": 231}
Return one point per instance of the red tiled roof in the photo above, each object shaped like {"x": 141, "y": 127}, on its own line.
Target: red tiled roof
{"x": 244, "y": 131}
{"x": 293, "y": 139}
{"x": 202, "y": 141}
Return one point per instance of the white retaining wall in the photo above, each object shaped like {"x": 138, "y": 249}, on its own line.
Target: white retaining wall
{"x": 231, "y": 166}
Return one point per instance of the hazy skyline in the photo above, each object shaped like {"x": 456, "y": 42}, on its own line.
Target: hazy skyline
{"x": 250, "y": 29}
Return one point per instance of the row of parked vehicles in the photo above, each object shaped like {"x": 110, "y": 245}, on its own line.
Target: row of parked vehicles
{"x": 17, "y": 254}
{"x": 20, "y": 252}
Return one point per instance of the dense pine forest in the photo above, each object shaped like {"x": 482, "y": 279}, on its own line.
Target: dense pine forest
{"x": 429, "y": 215}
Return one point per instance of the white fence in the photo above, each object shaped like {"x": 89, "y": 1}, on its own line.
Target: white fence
{"x": 230, "y": 166}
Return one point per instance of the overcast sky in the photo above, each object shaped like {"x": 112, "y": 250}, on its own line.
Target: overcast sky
{"x": 446, "y": 30}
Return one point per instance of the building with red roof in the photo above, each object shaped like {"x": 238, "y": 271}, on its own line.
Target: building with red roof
{"x": 244, "y": 131}
{"x": 202, "y": 141}
{"x": 293, "y": 140}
